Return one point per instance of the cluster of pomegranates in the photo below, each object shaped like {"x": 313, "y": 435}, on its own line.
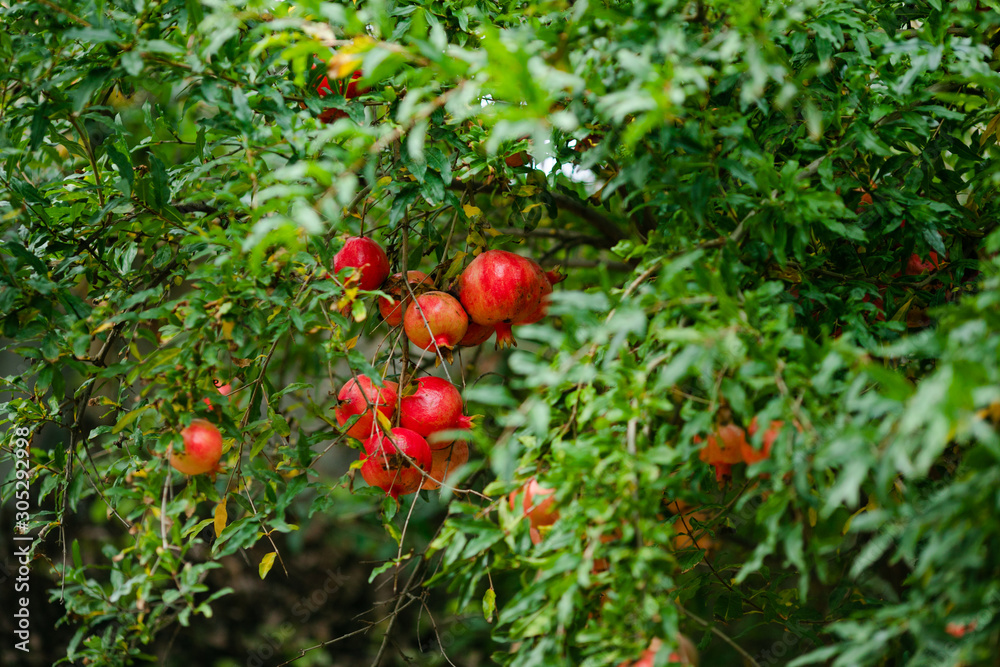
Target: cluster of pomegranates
{"x": 429, "y": 444}
{"x": 498, "y": 290}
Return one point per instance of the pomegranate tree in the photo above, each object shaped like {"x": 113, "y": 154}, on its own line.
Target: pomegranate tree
{"x": 367, "y": 257}
{"x": 396, "y": 463}
{"x": 202, "y": 449}
{"x": 392, "y": 309}
{"x": 435, "y": 320}
{"x": 432, "y": 404}
{"x": 357, "y": 397}
{"x": 500, "y": 288}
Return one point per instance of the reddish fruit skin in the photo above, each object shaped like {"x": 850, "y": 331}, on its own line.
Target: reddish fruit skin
{"x": 366, "y": 255}
{"x": 350, "y": 92}
{"x": 476, "y": 334}
{"x": 444, "y": 462}
{"x": 224, "y": 389}
{"x": 547, "y": 280}
{"x": 723, "y": 450}
{"x": 396, "y": 463}
{"x": 916, "y": 266}
{"x": 324, "y": 89}
{"x": 518, "y": 159}
{"x": 436, "y": 405}
{"x": 392, "y": 312}
{"x": 444, "y": 316}
{"x": 686, "y": 654}
{"x": 202, "y": 449}
{"x": 499, "y": 288}
{"x": 354, "y": 398}
{"x": 542, "y": 514}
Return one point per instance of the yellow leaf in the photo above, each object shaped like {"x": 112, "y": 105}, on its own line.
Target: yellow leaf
{"x": 383, "y": 421}
{"x": 471, "y": 210}
{"x": 357, "y": 464}
{"x": 221, "y": 517}
{"x": 227, "y": 329}
{"x": 344, "y": 63}
{"x": 265, "y": 564}
{"x": 349, "y": 345}
{"x": 104, "y": 327}
{"x": 350, "y": 294}
{"x": 812, "y": 517}
{"x": 384, "y": 181}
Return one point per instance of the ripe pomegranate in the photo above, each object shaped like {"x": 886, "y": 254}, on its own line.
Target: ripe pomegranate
{"x": 350, "y": 91}
{"x": 366, "y": 256}
{"x": 686, "y": 654}
{"x": 541, "y": 308}
{"x": 392, "y": 311}
{"x": 444, "y": 462}
{"x": 396, "y": 463}
{"x": 723, "y": 449}
{"x": 916, "y": 266}
{"x": 435, "y": 320}
{"x": 518, "y": 159}
{"x": 202, "y": 449}
{"x": 542, "y": 514}
{"x": 432, "y": 404}
{"x": 224, "y": 389}
{"x": 689, "y": 531}
{"x": 500, "y": 288}
{"x": 476, "y": 334}
{"x": 356, "y": 398}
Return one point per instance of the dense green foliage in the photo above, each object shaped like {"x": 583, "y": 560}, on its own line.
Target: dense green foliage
{"x": 780, "y": 210}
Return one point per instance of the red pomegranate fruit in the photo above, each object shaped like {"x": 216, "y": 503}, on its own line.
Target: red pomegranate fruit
{"x": 434, "y": 405}
{"x": 542, "y": 307}
{"x": 444, "y": 462}
{"x": 396, "y": 463}
{"x": 476, "y": 334}
{"x": 724, "y": 448}
{"x": 357, "y": 397}
{"x": 392, "y": 311}
{"x": 350, "y": 91}
{"x": 500, "y": 288}
{"x": 224, "y": 389}
{"x": 435, "y": 320}
{"x": 202, "y": 449}
{"x": 541, "y": 514}
{"x": 686, "y": 654}
{"x": 368, "y": 257}
{"x": 916, "y": 266}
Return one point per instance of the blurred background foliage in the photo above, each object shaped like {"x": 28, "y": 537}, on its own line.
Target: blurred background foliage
{"x": 764, "y": 209}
